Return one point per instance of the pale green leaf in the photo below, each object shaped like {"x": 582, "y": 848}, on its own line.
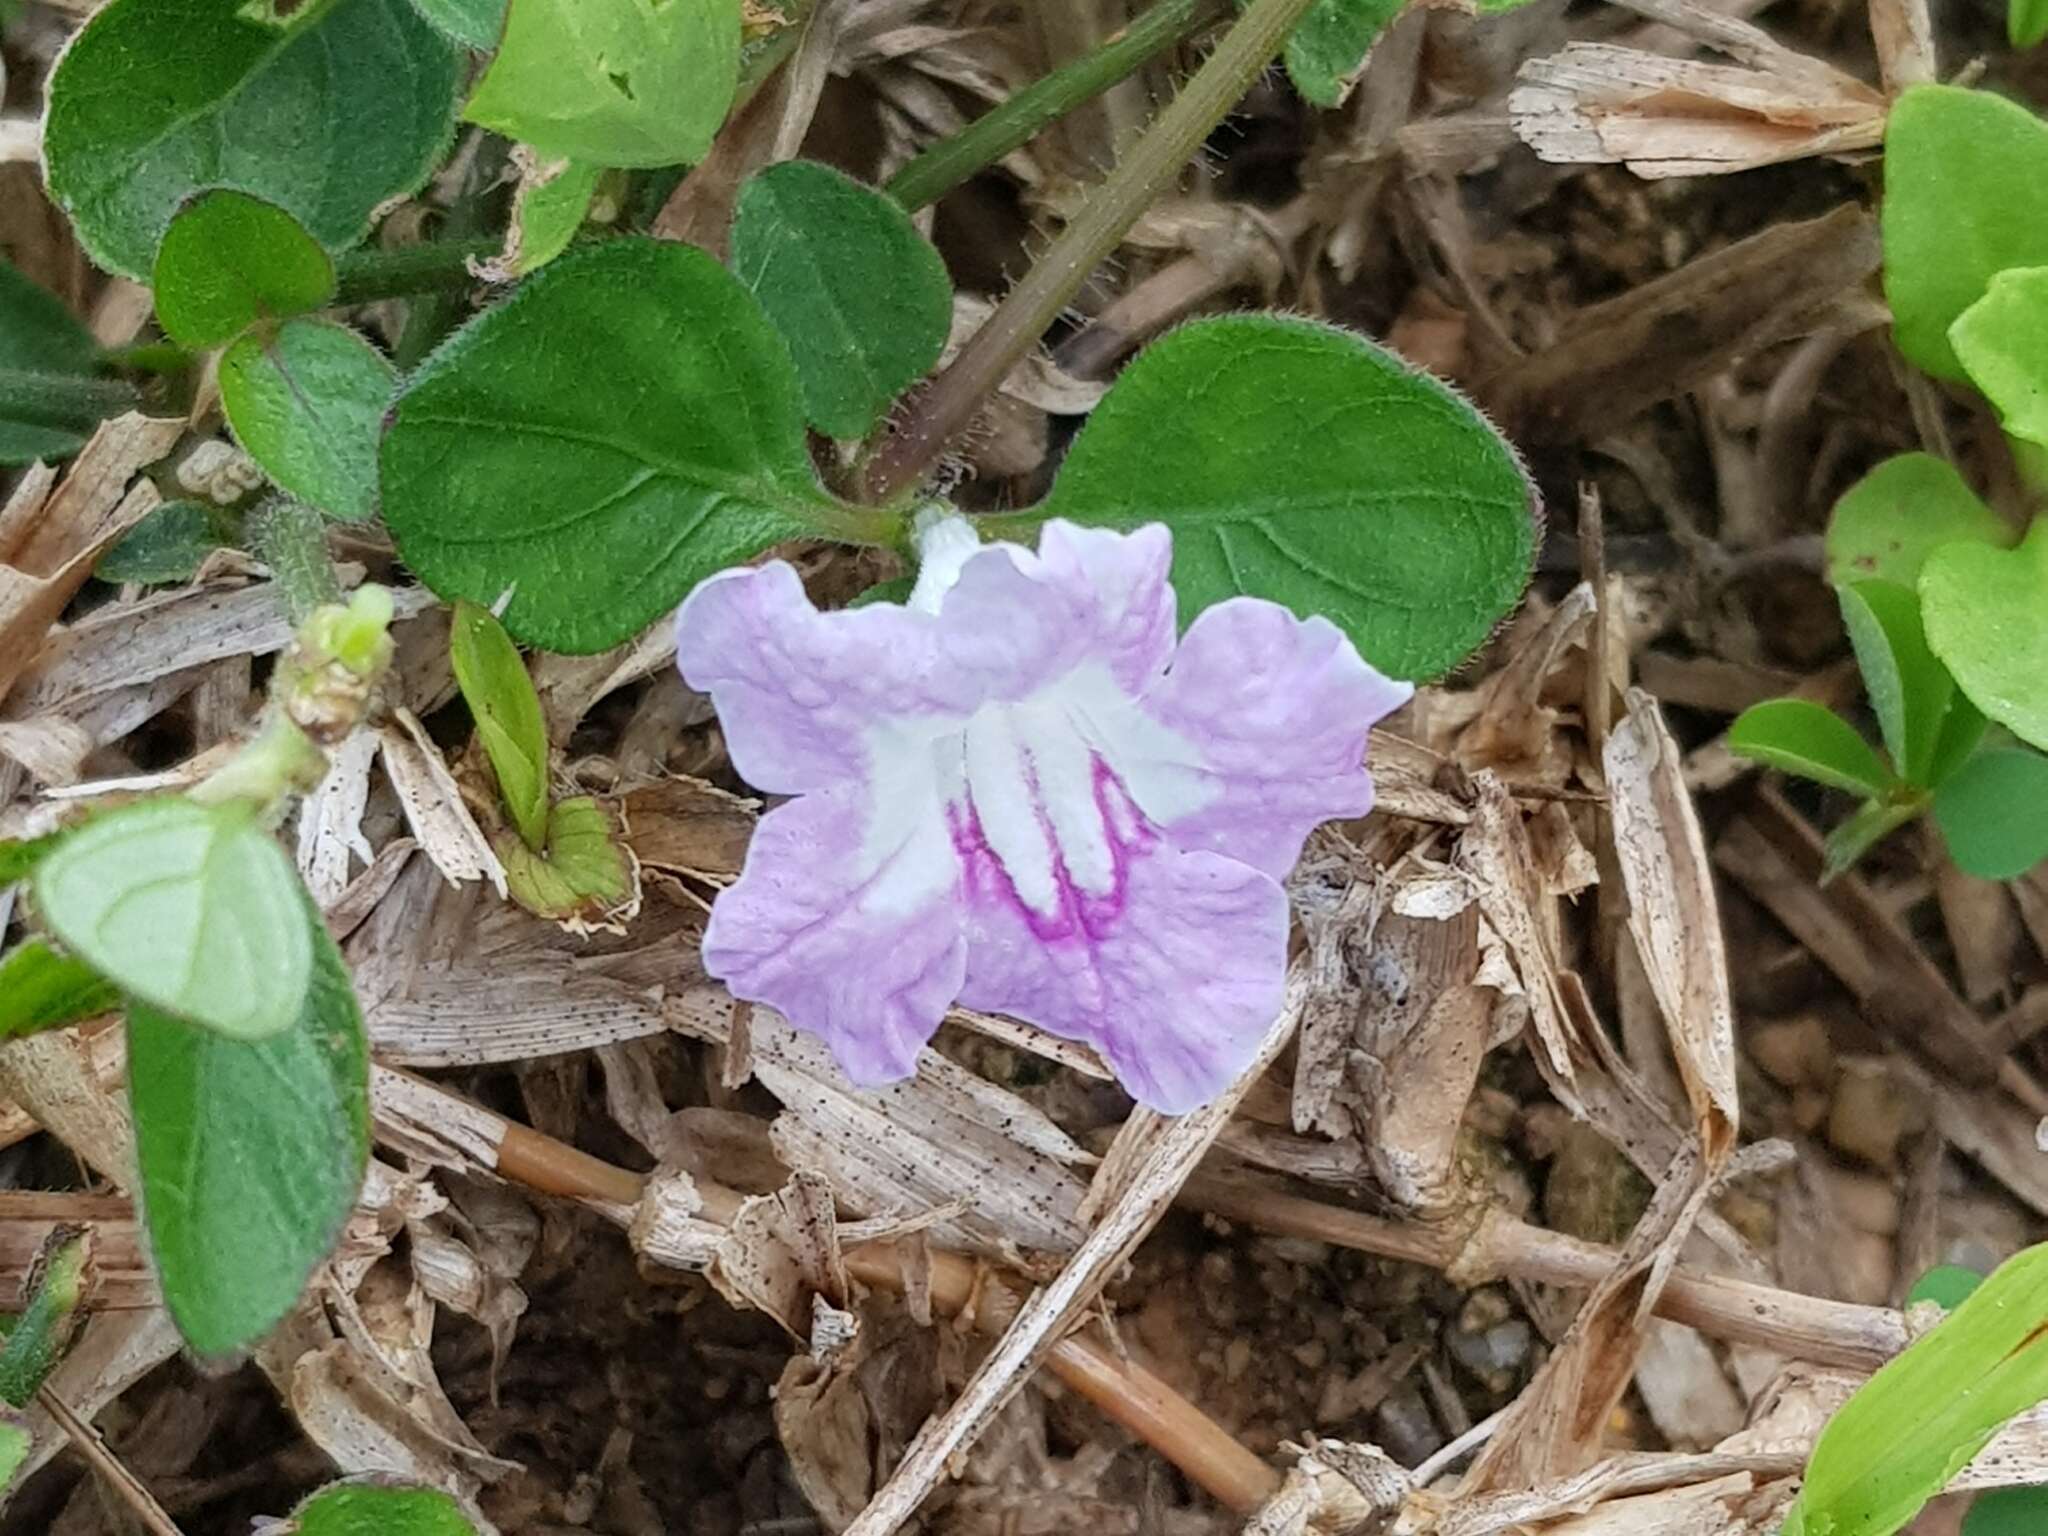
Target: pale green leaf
{"x": 582, "y": 873}
{"x": 473, "y": 23}
{"x": 2002, "y": 341}
{"x": 306, "y": 401}
{"x": 1987, "y": 617}
{"x": 1303, "y": 464}
{"x": 1993, "y": 813}
{"x": 859, "y": 295}
{"x": 251, "y": 1151}
{"x": 229, "y": 260}
{"x": 1798, "y": 736}
{"x": 494, "y": 681}
{"x": 1965, "y": 197}
{"x": 42, "y": 989}
{"x": 547, "y": 211}
{"x": 191, "y": 908}
{"x": 625, "y": 425}
{"x": 1910, "y": 689}
{"x": 328, "y": 117}
{"x": 1884, "y": 525}
{"x": 378, "y": 1507}
{"x": 613, "y": 82}
{"x": 2026, "y": 26}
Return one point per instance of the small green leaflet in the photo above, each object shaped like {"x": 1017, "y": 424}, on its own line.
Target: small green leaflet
{"x": 41, "y": 989}
{"x": 623, "y": 426}
{"x": 228, "y": 261}
{"x": 328, "y": 117}
{"x": 613, "y": 82}
{"x": 1987, "y": 617}
{"x": 581, "y": 874}
{"x": 50, "y": 397}
{"x": 1798, "y": 736}
{"x": 1966, "y": 196}
{"x": 473, "y": 23}
{"x": 251, "y": 1151}
{"x": 1300, "y": 463}
{"x": 1993, "y": 813}
{"x": 51, "y": 1320}
{"x": 1328, "y": 45}
{"x": 1909, "y": 689}
{"x": 2008, "y": 1511}
{"x": 168, "y": 545}
{"x": 2026, "y": 22}
{"x": 1946, "y": 1285}
{"x": 1886, "y": 524}
{"x": 859, "y": 295}
{"x": 20, "y": 855}
{"x": 306, "y": 401}
{"x": 2002, "y": 342}
{"x": 378, "y": 1507}
{"x": 549, "y": 208}
{"x": 191, "y": 908}
{"x": 1922, "y": 1418}
{"x": 500, "y": 694}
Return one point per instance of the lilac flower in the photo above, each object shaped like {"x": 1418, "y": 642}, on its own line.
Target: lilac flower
{"x": 1017, "y": 792}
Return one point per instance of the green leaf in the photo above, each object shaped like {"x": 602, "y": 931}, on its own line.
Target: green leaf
{"x": 1798, "y": 736}
{"x": 20, "y": 855}
{"x": 614, "y": 82}
{"x": 473, "y": 23}
{"x": 1328, "y": 45}
{"x": 2026, "y": 22}
{"x": 1987, "y": 618}
{"x": 2009, "y": 1511}
{"x": 306, "y": 401}
{"x": 582, "y": 873}
{"x": 328, "y": 117}
{"x": 493, "y": 678}
{"x": 228, "y": 261}
{"x": 166, "y": 546}
{"x": 1993, "y": 813}
{"x": 1945, "y": 1284}
{"x": 50, "y": 399}
{"x": 1909, "y": 688}
{"x": 51, "y": 1319}
{"x": 547, "y": 211}
{"x": 1961, "y": 729}
{"x": 15, "y": 1444}
{"x": 41, "y": 989}
{"x": 2002, "y": 342}
{"x": 1870, "y": 825}
{"x": 191, "y": 908}
{"x": 1885, "y": 525}
{"x": 859, "y": 295}
{"x": 378, "y": 1507}
{"x": 1927, "y": 1413}
{"x": 1303, "y": 464}
{"x": 1966, "y": 196}
{"x": 623, "y": 426}
{"x": 251, "y": 1151}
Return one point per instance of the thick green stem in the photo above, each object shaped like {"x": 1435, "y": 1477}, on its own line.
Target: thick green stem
{"x": 996, "y": 132}
{"x": 436, "y": 265}
{"x": 947, "y": 406}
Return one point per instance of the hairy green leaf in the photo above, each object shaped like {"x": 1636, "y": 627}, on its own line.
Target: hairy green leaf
{"x": 42, "y": 989}
{"x": 547, "y": 211}
{"x": 1927, "y": 1413}
{"x": 1966, "y": 196}
{"x": 191, "y": 908}
{"x": 378, "y": 1507}
{"x": 327, "y": 116}
{"x": 50, "y": 399}
{"x": 613, "y": 82}
{"x": 1993, "y": 813}
{"x": 1303, "y": 464}
{"x": 493, "y": 678}
{"x": 623, "y": 426}
{"x": 307, "y": 401}
{"x": 2002, "y": 342}
{"x": 859, "y": 295}
{"x": 1328, "y": 45}
{"x": 1909, "y": 688}
{"x": 168, "y": 545}
{"x": 251, "y": 1151}
{"x": 1987, "y": 618}
{"x": 229, "y": 260}
{"x": 1799, "y": 736}
{"x": 473, "y": 23}
{"x": 1885, "y": 525}
{"x": 15, "y": 1444}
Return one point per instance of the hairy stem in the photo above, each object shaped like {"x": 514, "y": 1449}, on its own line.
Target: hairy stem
{"x": 1025, "y": 114}
{"x": 948, "y": 405}
{"x": 431, "y": 267}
